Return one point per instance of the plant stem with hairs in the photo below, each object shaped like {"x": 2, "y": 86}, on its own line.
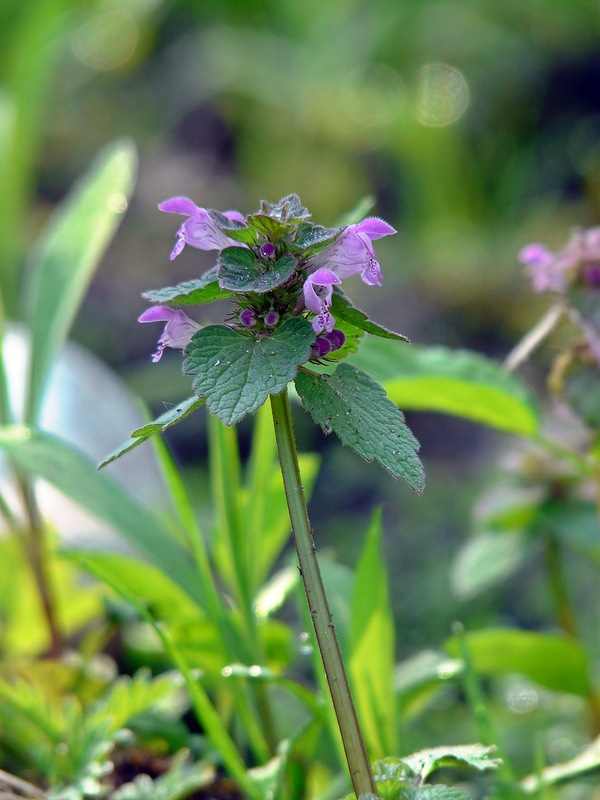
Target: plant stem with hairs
{"x": 354, "y": 746}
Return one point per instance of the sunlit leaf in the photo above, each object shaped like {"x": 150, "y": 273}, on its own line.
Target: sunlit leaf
{"x": 556, "y": 662}
{"x": 449, "y": 381}
{"x": 66, "y": 255}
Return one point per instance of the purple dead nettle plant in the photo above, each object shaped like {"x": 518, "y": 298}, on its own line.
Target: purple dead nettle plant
{"x": 290, "y": 321}
{"x": 573, "y": 276}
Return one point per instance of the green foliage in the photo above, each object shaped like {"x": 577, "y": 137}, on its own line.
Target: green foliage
{"x": 38, "y": 454}
{"x": 454, "y": 382}
{"x": 475, "y": 756}
{"x": 556, "y": 662}
{"x": 190, "y": 293}
{"x": 343, "y": 309}
{"x": 64, "y": 258}
{"x": 404, "y": 779}
{"x": 159, "y": 425}
{"x": 489, "y": 559}
{"x": 352, "y": 405}
{"x": 240, "y": 271}
{"x": 236, "y": 373}
{"x": 371, "y": 650}
{"x": 180, "y": 781}
{"x": 68, "y": 743}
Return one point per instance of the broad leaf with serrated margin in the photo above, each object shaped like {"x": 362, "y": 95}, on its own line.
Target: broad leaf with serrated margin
{"x": 353, "y": 405}
{"x": 201, "y": 290}
{"x": 236, "y": 373}
{"x": 233, "y": 228}
{"x": 241, "y": 271}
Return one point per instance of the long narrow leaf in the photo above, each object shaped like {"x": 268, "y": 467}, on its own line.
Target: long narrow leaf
{"x": 38, "y": 454}
{"x": 371, "y": 664}
{"x": 66, "y": 255}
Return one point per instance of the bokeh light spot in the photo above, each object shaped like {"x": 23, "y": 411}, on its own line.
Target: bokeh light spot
{"x": 522, "y": 699}
{"x": 442, "y": 95}
{"x": 107, "y": 41}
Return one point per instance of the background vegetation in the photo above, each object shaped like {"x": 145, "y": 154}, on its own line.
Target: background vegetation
{"x": 474, "y": 126}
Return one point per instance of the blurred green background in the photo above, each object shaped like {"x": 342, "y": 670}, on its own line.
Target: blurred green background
{"x": 475, "y": 127}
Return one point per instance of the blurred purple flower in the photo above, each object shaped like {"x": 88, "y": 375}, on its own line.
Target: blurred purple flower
{"x": 178, "y": 330}
{"x": 554, "y": 272}
{"x": 352, "y": 252}
{"x": 199, "y": 230}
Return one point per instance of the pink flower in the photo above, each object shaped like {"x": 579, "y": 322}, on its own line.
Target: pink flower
{"x": 178, "y": 331}
{"x": 318, "y": 291}
{"x": 199, "y": 230}
{"x": 553, "y": 272}
{"x": 350, "y": 254}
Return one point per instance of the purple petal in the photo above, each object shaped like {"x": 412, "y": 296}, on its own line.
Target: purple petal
{"x": 374, "y": 228}
{"x": 179, "y": 205}
{"x": 159, "y": 314}
{"x": 536, "y": 254}
{"x": 234, "y": 215}
{"x": 178, "y": 331}
{"x": 321, "y": 347}
{"x": 324, "y": 277}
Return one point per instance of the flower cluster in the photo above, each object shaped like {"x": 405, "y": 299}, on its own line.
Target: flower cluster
{"x": 573, "y": 273}
{"x": 274, "y": 264}
{"x": 577, "y": 262}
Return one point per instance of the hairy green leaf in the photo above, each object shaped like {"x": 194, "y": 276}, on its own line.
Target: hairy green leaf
{"x": 356, "y": 408}
{"x": 343, "y": 309}
{"x": 201, "y": 290}
{"x": 236, "y": 373}
{"x": 476, "y": 756}
{"x": 241, "y": 271}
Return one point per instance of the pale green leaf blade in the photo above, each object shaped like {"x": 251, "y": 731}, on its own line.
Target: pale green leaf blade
{"x": 41, "y": 455}
{"x": 455, "y": 382}
{"x": 68, "y": 252}
{"x": 141, "y": 578}
{"x": 476, "y": 756}
{"x": 488, "y": 559}
{"x": 236, "y": 373}
{"x": 586, "y": 761}
{"x": 556, "y": 662}
{"x": 371, "y": 663}
{"x": 159, "y": 425}
{"x": 356, "y": 408}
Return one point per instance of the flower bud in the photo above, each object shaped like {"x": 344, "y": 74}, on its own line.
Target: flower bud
{"x": 321, "y": 347}
{"x": 336, "y": 338}
{"x": 247, "y": 317}
{"x": 271, "y": 319}
{"x": 267, "y": 250}
{"x": 591, "y": 274}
